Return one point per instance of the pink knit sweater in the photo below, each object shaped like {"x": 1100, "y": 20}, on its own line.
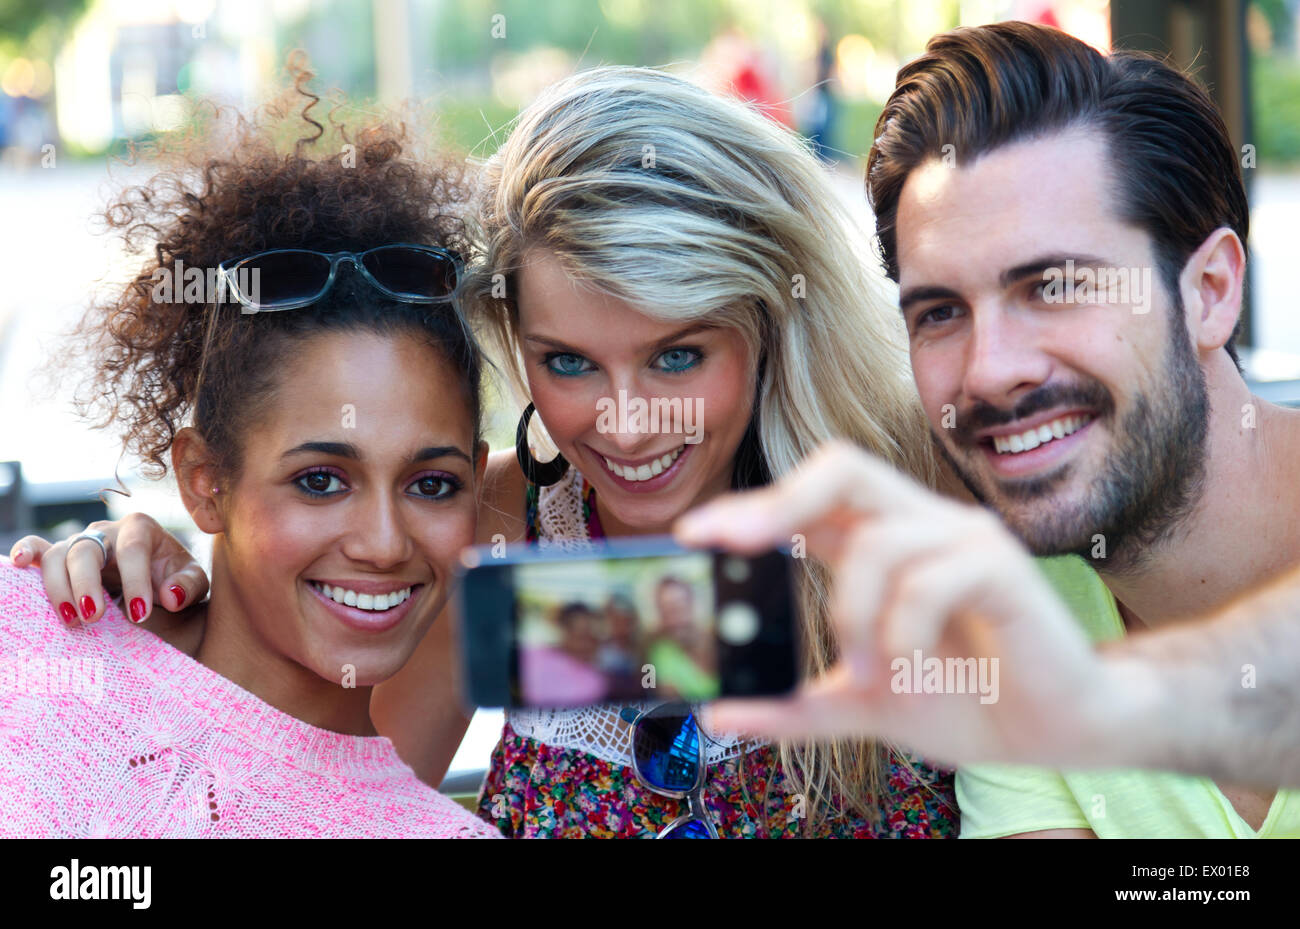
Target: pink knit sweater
{"x": 109, "y": 731}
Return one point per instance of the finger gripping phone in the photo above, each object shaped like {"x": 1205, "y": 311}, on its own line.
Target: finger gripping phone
{"x": 631, "y": 620}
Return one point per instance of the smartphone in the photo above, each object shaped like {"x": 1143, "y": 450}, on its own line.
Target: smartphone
{"x": 633, "y": 620}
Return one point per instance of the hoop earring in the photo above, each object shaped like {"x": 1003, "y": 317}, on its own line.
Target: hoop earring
{"x": 541, "y": 473}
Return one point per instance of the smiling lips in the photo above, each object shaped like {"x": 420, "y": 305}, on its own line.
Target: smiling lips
{"x": 644, "y": 472}
{"x": 1030, "y": 439}
{"x": 363, "y": 601}
{"x": 377, "y": 607}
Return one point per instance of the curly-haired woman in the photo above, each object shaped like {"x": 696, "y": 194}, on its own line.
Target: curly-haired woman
{"x": 337, "y": 496}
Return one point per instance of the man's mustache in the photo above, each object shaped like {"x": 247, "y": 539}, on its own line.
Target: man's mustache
{"x": 981, "y": 415}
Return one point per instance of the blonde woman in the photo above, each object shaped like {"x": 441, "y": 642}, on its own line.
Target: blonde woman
{"x": 643, "y": 238}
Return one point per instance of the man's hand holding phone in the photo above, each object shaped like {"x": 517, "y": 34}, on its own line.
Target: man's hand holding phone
{"x": 914, "y": 571}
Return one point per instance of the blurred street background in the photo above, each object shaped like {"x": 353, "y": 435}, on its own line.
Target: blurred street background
{"x": 80, "y": 79}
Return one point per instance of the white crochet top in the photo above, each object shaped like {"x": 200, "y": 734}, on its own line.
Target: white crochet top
{"x": 596, "y": 730}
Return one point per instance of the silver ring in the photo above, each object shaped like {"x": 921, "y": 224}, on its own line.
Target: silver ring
{"x": 94, "y": 535}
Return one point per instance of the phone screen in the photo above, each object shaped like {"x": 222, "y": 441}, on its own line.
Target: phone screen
{"x": 641, "y": 620}
{"x": 599, "y": 630}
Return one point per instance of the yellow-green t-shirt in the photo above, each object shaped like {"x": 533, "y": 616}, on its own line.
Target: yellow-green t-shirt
{"x": 1002, "y": 800}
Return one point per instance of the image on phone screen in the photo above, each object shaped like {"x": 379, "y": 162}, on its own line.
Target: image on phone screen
{"x": 638, "y": 620}
{"x": 595, "y": 631}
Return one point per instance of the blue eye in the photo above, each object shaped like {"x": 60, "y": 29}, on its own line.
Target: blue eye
{"x": 320, "y": 483}
{"x": 566, "y": 364}
{"x": 675, "y": 360}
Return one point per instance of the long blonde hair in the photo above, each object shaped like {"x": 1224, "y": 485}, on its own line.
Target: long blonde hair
{"x": 692, "y": 206}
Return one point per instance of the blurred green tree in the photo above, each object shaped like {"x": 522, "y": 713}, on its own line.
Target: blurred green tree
{"x": 22, "y": 19}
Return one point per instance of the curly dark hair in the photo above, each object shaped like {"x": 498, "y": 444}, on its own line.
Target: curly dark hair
{"x": 231, "y": 187}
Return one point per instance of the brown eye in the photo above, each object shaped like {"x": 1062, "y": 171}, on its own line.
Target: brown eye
{"x": 320, "y": 483}
{"x": 434, "y": 486}
{"x": 937, "y": 315}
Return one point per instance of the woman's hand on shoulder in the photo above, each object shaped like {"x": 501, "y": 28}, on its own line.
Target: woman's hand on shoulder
{"x": 146, "y": 564}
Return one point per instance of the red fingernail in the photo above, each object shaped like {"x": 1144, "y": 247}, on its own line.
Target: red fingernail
{"x": 137, "y": 610}
{"x": 87, "y": 607}
{"x": 68, "y": 612}
{"x": 179, "y": 591}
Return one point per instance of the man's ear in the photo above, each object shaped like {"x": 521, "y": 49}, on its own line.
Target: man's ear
{"x": 196, "y": 474}
{"x": 1211, "y": 284}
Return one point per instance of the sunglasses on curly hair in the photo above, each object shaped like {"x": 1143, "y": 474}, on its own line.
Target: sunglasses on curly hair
{"x": 292, "y": 278}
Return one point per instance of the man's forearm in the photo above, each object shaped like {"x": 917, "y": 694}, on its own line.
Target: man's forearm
{"x": 1223, "y": 694}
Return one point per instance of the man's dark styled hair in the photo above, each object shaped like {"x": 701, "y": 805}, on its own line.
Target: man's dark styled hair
{"x": 977, "y": 89}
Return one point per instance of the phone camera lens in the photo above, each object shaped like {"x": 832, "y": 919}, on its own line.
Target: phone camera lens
{"x": 737, "y": 624}
{"x": 736, "y": 570}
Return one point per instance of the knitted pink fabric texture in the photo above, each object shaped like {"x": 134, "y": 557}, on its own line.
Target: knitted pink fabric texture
{"x": 109, "y": 731}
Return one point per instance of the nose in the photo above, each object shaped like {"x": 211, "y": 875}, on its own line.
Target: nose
{"x": 636, "y": 421}
{"x": 380, "y": 537}
{"x": 629, "y": 443}
{"x": 1003, "y": 358}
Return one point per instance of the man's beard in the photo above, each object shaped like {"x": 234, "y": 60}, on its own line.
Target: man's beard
{"x": 1152, "y": 478}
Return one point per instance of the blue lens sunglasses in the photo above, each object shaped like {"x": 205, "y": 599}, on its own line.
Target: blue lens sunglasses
{"x": 668, "y": 759}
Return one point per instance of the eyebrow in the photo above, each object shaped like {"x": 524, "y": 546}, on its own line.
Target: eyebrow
{"x": 667, "y": 340}
{"x": 348, "y": 450}
{"x": 1033, "y": 268}
{"x": 925, "y": 293}
{"x": 1037, "y": 266}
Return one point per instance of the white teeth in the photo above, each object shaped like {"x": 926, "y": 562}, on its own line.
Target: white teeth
{"x": 645, "y": 471}
{"x": 1032, "y": 438}
{"x": 376, "y": 602}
